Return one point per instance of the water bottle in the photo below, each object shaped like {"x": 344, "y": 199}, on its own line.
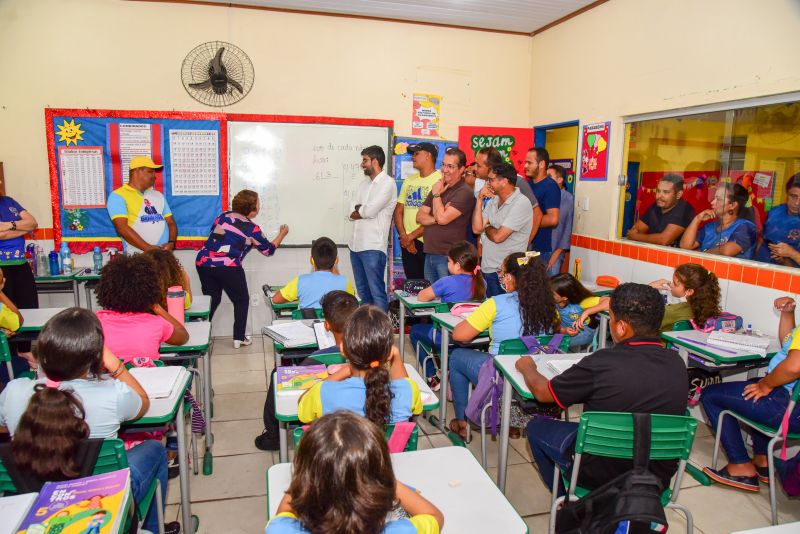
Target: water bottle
{"x": 53, "y": 259}
{"x": 41, "y": 262}
{"x": 577, "y": 269}
{"x": 66, "y": 258}
{"x": 112, "y": 254}
{"x": 175, "y": 297}
{"x": 97, "y": 260}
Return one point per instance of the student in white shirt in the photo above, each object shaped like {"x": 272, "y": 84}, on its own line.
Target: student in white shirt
{"x": 372, "y": 219}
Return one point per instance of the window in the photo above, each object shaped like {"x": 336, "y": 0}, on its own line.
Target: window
{"x": 716, "y": 181}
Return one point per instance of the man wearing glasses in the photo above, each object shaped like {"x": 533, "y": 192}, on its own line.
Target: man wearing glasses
{"x": 504, "y": 224}
{"x": 445, "y": 214}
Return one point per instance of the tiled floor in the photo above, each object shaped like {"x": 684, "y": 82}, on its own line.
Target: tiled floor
{"x": 233, "y": 499}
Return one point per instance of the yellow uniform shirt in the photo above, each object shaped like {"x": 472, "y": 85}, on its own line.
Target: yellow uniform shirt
{"x": 8, "y": 319}
{"x": 412, "y": 194}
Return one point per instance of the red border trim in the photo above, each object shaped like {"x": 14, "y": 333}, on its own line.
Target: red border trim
{"x": 244, "y": 117}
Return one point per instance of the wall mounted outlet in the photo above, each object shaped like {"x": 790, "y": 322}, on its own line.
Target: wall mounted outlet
{"x": 585, "y": 203}
{"x": 255, "y": 300}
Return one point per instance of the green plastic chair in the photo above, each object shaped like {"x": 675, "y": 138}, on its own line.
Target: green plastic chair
{"x": 776, "y": 436}
{"x": 112, "y": 457}
{"x": 411, "y": 445}
{"x": 5, "y": 355}
{"x": 298, "y": 314}
{"x": 682, "y": 325}
{"x": 610, "y": 434}
{"x": 329, "y": 359}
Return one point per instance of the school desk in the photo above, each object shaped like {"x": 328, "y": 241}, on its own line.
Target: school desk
{"x": 696, "y": 343}
{"x": 89, "y": 280}
{"x": 449, "y": 477}
{"x": 60, "y": 283}
{"x": 162, "y": 412}
{"x": 34, "y": 319}
{"x": 506, "y": 364}
{"x": 286, "y": 408}
{"x": 280, "y": 311}
{"x": 415, "y": 308}
{"x": 599, "y": 291}
{"x": 197, "y": 347}
{"x": 447, "y": 322}
{"x": 786, "y": 528}
{"x": 200, "y": 308}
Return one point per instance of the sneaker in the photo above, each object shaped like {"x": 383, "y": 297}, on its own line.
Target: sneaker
{"x": 763, "y": 474}
{"x": 434, "y": 383}
{"x": 172, "y": 527}
{"x": 722, "y": 476}
{"x": 265, "y": 442}
{"x": 173, "y": 469}
{"x": 243, "y": 343}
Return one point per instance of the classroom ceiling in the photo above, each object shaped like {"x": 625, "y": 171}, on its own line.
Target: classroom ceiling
{"x": 525, "y": 16}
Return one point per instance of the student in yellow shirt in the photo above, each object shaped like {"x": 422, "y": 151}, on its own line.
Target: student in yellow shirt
{"x": 10, "y": 321}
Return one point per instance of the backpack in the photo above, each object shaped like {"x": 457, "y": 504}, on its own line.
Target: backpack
{"x": 629, "y": 503}
{"x": 490, "y": 384}
{"x": 727, "y": 322}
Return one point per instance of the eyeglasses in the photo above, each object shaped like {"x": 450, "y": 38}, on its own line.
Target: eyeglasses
{"x": 470, "y": 173}
{"x": 449, "y": 166}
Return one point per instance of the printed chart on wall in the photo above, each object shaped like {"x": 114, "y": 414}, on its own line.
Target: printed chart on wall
{"x": 594, "y": 151}
{"x": 90, "y": 153}
{"x": 306, "y": 174}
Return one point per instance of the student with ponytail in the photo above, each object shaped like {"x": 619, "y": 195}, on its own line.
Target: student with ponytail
{"x": 464, "y": 283}
{"x": 527, "y": 308}
{"x": 86, "y": 393}
{"x": 374, "y": 383}
{"x": 700, "y": 287}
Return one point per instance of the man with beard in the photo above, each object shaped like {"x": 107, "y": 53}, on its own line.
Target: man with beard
{"x": 372, "y": 221}
{"x": 666, "y": 220}
{"x": 445, "y": 214}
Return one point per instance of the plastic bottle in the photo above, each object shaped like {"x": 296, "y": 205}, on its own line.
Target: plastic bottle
{"x": 749, "y": 330}
{"x": 97, "y": 260}
{"x": 577, "y": 269}
{"x": 53, "y": 260}
{"x": 175, "y": 297}
{"x": 41, "y": 262}
{"x": 66, "y": 258}
{"x": 31, "y": 261}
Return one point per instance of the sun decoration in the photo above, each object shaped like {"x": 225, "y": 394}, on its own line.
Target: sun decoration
{"x": 70, "y": 132}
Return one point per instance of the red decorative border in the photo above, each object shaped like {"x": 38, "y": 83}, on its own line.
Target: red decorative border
{"x": 728, "y": 270}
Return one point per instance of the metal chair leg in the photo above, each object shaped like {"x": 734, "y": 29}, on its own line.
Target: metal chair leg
{"x": 159, "y": 509}
{"x": 773, "y": 497}
{"x": 483, "y": 434}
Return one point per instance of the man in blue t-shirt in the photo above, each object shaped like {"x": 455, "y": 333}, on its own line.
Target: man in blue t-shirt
{"x": 548, "y": 194}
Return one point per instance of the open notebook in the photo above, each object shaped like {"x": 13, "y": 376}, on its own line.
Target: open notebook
{"x": 158, "y": 382}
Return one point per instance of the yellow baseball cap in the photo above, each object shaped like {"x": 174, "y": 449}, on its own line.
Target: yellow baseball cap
{"x": 143, "y": 161}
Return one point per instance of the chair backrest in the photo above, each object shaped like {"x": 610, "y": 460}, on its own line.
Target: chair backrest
{"x": 682, "y": 325}
{"x": 303, "y": 313}
{"x": 329, "y": 359}
{"x": 411, "y": 444}
{"x": 516, "y": 345}
{"x": 5, "y": 350}
{"x": 610, "y": 434}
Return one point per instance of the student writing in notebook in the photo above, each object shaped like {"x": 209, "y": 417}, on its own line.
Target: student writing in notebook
{"x": 337, "y": 307}
{"x": 87, "y": 393}
{"x": 309, "y": 289}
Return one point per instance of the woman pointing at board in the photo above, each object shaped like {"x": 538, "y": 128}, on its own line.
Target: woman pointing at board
{"x": 219, "y": 262}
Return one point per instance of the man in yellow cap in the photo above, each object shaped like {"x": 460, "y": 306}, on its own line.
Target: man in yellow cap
{"x": 140, "y": 214}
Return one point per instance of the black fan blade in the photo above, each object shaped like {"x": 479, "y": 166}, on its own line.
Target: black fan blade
{"x": 216, "y": 63}
{"x": 236, "y": 84}
{"x": 202, "y": 85}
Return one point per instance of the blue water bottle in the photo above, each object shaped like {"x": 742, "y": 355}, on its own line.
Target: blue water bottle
{"x": 97, "y": 259}
{"x": 53, "y": 258}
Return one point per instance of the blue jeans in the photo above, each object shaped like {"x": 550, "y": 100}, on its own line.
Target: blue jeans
{"x": 435, "y": 267}
{"x": 767, "y": 410}
{"x": 369, "y": 270}
{"x": 556, "y": 268}
{"x": 430, "y": 335}
{"x": 551, "y": 444}
{"x": 464, "y": 365}
{"x": 584, "y": 337}
{"x": 148, "y": 461}
{"x": 492, "y": 285}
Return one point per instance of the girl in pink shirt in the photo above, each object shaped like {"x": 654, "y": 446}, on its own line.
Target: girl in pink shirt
{"x": 134, "y": 323}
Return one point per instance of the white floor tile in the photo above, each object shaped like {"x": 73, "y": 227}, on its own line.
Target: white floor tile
{"x": 237, "y": 406}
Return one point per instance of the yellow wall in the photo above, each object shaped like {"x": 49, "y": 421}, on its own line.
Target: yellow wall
{"x": 561, "y": 143}
{"x": 127, "y": 55}
{"x": 638, "y": 56}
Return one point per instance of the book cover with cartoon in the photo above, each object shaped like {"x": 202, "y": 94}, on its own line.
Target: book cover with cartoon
{"x": 91, "y": 505}
{"x": 300, "y": 378}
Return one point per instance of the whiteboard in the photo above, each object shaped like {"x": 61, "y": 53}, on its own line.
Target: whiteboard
{"x": 306, "y": 175}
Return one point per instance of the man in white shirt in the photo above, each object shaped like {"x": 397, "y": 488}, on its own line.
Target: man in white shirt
{"x": 372, "y": 219}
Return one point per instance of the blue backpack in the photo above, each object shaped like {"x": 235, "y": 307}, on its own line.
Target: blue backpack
{"x": 490, "y": 384}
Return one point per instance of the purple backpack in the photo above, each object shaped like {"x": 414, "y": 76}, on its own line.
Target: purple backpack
{"x": 490, "y": 384}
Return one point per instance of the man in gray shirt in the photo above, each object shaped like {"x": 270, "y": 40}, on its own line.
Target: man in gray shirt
{"x": 504, "y": 224}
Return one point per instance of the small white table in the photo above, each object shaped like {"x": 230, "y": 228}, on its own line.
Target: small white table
{"x": 415, "y": 308}
{"x": 286, "y": 408}
{"x": 506, "y": 364}
{"x": 786, "y": 528}
{"x": 34, "y": 319}
{"x": 200, "y": 308}
{"x": 449, "y": 477}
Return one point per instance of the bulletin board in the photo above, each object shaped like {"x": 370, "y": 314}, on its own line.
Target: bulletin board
{"x": 89, "y": 152}
{"x": 513, "y": 143}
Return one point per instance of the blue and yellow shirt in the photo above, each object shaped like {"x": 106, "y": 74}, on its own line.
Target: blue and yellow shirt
{"x": 146, "y": 214}
{"x": 310, "y": 288}
{"x": 501, "y": 315}
{"x": 288, "y": 523}
{"x": 572, "y": 312}
{"x": 351, "y": 394}
{"x": 792, "y": 342}
{"x": 12, "y": 251}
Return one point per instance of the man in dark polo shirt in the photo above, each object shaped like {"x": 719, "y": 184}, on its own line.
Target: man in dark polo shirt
{"x": 667, "y": 218}
{"x": 636, "y": 375}
{"x": 445, "y": 214}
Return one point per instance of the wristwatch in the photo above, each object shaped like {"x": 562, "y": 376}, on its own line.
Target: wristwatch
{"x": 13, "y": 225}
{"x": 437, "y": 195}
